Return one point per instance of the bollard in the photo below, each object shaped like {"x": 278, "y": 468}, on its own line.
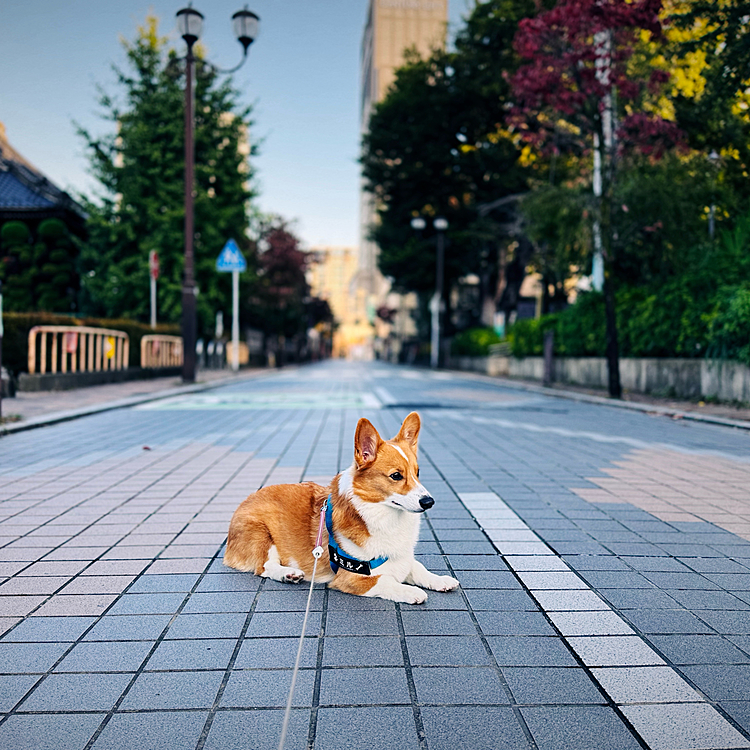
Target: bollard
{"x": 549, "y": 357}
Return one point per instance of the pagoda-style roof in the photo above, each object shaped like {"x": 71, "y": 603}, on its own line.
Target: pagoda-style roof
{"x": 27, "y": 194}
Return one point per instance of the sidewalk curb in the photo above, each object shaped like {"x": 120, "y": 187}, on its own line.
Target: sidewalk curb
{"x": 665, "y": 411}
{"x": 85, "y": 411}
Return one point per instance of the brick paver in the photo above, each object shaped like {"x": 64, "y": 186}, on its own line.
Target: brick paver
{"x": 603, "y": 557}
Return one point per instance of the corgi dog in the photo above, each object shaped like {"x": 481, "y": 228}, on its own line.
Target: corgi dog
{"x": 372, "y": 513}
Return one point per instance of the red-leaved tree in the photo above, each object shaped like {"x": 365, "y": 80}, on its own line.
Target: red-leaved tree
{"x": 281, "y": 304}
{"x": 580, "y": 92}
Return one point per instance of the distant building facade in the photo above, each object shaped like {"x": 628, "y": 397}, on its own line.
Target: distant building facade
{"x": 392, "y": 27}
{"x": 331, "y": 277}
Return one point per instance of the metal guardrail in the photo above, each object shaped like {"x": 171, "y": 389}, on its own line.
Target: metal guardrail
{"x": 158, "y": 350}
{"x": 77, "y": 349}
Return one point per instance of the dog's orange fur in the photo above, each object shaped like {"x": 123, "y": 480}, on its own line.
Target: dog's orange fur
{"x": 270, "y": 516}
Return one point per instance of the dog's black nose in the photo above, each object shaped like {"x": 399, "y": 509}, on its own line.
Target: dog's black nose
{"x": 426, "y": 502}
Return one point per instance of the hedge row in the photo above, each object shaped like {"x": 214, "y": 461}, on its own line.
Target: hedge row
{"x": 672, "y": 321}
{"x": 18, "y": 325}
{"x": 474, "y": 342}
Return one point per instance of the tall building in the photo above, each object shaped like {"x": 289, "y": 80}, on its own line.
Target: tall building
{"x": 331, "y": 277}
{"x": 393, "y": 26}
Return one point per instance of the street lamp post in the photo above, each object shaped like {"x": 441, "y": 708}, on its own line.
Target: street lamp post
{"x": 190, "y": 25}
{"x": 418, "y": 224}
{"x": 440, "y": 225}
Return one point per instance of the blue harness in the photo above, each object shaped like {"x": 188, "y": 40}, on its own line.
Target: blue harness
{"x": 339, "y": 558}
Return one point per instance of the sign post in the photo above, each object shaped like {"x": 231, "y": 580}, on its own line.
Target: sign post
{"x": 153, "y": 269}
{"x": 231, "y": 259}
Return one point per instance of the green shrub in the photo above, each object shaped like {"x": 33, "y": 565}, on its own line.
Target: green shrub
{"x": 684, "y": 317}
{"x": 52, "y": 230}
{"x": 474, "y": 342}
{"x": 526, "y": 338}
{"x": 699, "y": 306}
{"x": 668, "y": 321}
{"x": 14, "y": 233}
{"x": 18, "y": 325}
{"x": 729, "y": 328}
{"x": 579, "y": 330}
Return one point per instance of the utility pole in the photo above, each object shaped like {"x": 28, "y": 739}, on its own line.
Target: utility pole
{"x": 190, "y": 26}
{"x": 603, "y": 43}
{"x": 436, "y": 304}
{"x": 235, "y": 320}
{"x": 153, "y": 269}
{"x": 604, "y": 167}
{"x": 189, "y": 321}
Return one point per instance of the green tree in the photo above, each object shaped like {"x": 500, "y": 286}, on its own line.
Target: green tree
{"x": 555, "y": 218}
{"x": 17, "y": 262}
{"x": 140, "y": 168}
{"x": 280, "y": 304}
{"x": 437, "y": 145}
{"x": 55, "y": 255}
{"x": 41, "y": 269}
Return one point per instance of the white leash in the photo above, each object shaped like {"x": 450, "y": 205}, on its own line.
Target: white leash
{"x": 317, "y": 554}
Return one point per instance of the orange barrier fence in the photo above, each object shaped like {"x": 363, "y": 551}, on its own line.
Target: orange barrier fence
{"x": 77, "y": 349}
{"x": 161, "y": 351}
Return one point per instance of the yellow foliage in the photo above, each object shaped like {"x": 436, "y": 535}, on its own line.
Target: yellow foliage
{"x": 527, "y": 157}
{"x": 501, "y": 134}
{"x": 685, "y": 67}
{"x": 741, "y": 107}
{"x": 730, "y": 153}
{"x": 148, "y": 33}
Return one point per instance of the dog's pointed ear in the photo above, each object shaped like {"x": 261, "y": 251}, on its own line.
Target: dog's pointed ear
{"x": 409, "y": 432}
{"x": 366, "y": 443}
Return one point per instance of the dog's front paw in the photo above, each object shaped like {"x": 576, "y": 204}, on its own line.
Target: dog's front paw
{"x": 293, "y": 576}
{"x": 388, "y": 588}
{"x": 445, "y": 583}
{"x": 413, "y": 595}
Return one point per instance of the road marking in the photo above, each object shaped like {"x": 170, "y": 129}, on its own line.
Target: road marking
{"x": 384, "y": 395}
{"x": 268, "y": 400}
{"x": 661, "y": 706}
{"x": 597, "y": 437}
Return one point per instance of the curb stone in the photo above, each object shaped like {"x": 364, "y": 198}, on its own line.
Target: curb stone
{"x": 665, "y": 411}
{"x": 85, "y": 411}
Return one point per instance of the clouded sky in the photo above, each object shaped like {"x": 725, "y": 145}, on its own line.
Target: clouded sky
{"x": 302, "y": 75}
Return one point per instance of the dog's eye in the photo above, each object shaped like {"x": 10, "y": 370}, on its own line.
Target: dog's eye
{"x": 396, "y": 476}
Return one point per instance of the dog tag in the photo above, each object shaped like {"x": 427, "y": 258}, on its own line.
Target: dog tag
{"x": 362, "y": 567}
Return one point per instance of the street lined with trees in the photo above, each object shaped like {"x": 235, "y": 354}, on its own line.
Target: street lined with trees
{"x": 555, "y": 134}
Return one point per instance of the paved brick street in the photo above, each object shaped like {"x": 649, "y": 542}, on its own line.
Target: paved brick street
{"x": 603, "y": 555}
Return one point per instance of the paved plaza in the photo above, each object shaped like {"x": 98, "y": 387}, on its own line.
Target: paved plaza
{"x": 603, "y": 555}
